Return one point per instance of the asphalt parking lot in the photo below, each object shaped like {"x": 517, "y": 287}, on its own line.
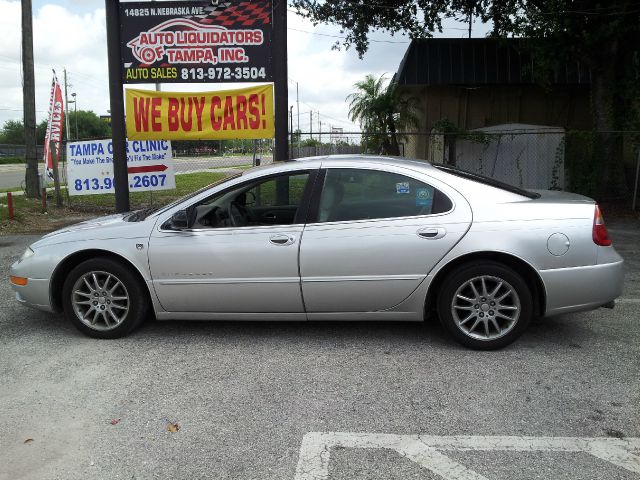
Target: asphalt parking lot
{"x": 321, "y": 400}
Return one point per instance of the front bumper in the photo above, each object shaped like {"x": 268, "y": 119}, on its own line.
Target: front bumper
{"x": 35, "y": 294}
{"x": 582, "y": 288}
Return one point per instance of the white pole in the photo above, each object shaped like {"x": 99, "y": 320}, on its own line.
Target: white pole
{"x": 66, "y": 105}
{"x": 298, "y": 107}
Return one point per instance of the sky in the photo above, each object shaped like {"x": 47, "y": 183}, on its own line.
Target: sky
{"x": 71, "y": 34}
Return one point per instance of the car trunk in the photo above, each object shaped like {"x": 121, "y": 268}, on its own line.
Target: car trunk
{"x": 556, "y": 196}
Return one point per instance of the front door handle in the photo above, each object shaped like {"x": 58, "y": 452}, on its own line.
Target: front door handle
{"x": 432, "y": 233}
{"x": 282, "y": 239}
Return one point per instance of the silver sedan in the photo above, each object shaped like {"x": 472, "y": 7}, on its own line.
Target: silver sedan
{"x": 333, "y": 238}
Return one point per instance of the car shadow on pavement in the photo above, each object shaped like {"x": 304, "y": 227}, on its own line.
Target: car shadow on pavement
{"x": 566, "y": 331}
{"x": 563, "y": 331}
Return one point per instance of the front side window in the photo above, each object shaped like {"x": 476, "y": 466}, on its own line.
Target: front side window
{"x": 271, "y": 201}
{"x": 354, "y": 194}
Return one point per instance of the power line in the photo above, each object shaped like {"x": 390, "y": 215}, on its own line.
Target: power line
{"x": 18, "y": 110}
{"x": 586, "y": 11}
{"x": 344, "y": 38}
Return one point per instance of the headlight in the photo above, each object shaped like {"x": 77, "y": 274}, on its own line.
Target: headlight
{"x": 27, "y": 253}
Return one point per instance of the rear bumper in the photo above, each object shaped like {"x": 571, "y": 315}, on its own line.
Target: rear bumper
{"x": 582, "y": 288}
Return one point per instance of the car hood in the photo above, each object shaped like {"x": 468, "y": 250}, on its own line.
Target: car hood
{"x": 101, "y": 228}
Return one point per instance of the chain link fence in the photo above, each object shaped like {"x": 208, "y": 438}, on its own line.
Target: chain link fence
{"x": 17, "y": 151}
{"x": 602, "y": 165}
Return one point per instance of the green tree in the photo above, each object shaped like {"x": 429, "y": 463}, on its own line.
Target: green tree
{"x": 89, "y": 125}
{"x": 41, "y": 132}
{"x": 310, "y": 142}
{"x": 12, "y": 132}
{"x": 602, "y": 35}
{"x": 382, "y": 113}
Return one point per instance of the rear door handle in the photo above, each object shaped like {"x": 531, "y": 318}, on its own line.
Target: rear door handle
{"x": 282, "y": 239}
{"x": 432, "y": 233}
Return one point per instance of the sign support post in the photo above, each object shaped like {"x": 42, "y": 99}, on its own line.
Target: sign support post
{"x": 280, "y": 79}
{"x": 120, "y": 176}
{"x": 56, "y": 173}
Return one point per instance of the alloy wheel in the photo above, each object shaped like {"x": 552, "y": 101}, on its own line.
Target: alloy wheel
{"x": 100, "y": 300}
{"x": 486, "y": 307}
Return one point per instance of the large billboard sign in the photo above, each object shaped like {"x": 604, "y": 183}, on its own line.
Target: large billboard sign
{"x": 196, "y": 41}
{"x": 222, "y": 114}
{"x": 90, "y": 166}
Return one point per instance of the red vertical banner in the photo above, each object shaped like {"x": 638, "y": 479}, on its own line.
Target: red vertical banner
{"x": 54, "y": 128}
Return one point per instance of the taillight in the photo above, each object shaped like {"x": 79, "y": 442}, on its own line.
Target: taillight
{"x": 600, "y": 234}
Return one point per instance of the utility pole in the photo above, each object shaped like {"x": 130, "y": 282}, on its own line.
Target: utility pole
{"x": 319, "y": 122}
{"x": 319, "y": 129}
{"x": 298, "y": 106}
{"x": 311, "y": 124}
{"x": 29, "y": 103}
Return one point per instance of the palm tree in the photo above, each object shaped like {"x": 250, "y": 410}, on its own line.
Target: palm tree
{"x": 381, "y": 112}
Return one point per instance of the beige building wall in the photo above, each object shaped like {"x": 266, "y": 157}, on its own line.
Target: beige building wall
{"x": 482, "y": 106}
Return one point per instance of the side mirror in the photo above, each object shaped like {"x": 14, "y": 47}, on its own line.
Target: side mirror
{"x": 179, "y": 220}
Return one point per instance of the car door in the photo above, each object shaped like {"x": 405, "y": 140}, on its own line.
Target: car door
{"x": 376, "y": 235}
{"x": 226, "y": 263}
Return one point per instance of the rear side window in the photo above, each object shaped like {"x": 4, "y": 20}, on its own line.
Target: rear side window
{"x": 354, "y": 194}
{"x": 476, "y": 177}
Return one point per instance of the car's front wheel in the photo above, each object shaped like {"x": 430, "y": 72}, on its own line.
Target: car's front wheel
{"x": 104, "y": 299}
{"x": 485, "y": 305}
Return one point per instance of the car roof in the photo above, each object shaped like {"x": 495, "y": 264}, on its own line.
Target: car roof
{"x": 337, "y": 160}
{"x": 387, "y": 159}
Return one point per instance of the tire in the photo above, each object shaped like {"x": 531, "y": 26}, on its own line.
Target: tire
{"x": 492, "y": 316}
{"x": 121, "y": 309}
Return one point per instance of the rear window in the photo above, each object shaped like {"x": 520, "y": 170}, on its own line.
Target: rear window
{"x": 476, "y": 177}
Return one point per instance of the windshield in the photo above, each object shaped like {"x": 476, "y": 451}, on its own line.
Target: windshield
{"x": 197, "y": 192}
{"x": 476, "y": 177}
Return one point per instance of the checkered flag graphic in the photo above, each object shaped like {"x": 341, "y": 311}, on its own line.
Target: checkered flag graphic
{"x": 242, "y": 14}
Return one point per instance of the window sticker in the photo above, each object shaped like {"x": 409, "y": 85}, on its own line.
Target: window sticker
{"x": 424, "y": 197}
{"x": 403, "y": 187}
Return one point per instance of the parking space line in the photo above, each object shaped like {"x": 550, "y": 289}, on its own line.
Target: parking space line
{"x": 431, "y": 459}
{"x": 628, "y": 300}
{"x": 426, "y": 451}
{"x": 313, "y": 463}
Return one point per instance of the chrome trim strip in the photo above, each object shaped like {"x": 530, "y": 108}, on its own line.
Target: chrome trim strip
{"x": 234, "y": 230}
{"x": 363, "y": 278}
{"x": 228, "y": 281}
{"x": 236, "y": 281}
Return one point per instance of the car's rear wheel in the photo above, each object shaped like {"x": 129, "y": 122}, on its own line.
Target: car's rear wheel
{"x": 485, "y": 305}
{"x": 104, "y": 299}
